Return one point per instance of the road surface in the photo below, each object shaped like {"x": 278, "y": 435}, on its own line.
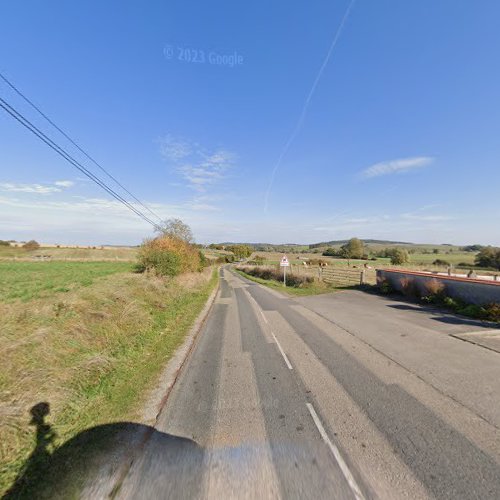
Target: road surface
{"x": 349, "y": 395}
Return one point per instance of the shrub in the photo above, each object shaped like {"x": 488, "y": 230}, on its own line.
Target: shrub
{"x": 4, "y": 243}
{"x": 473, "y": 311}
{"x": 204, "y": 262}
{"x": 169, "y": 256}
{"x": 488, "y": 257}
{"x": 441, "y": 262}
{"x": 399, "y": 256}
{"x": 434, "y": 287}
{"x": 331, "y": 252}
{"x": 451, "y": 303}
{"x": 384, "y": 286}
{"x": 493, "y": 311}
{"x": 31, "y": 245}
{"x": 409, "y": 288}
{"x": 268, "y": 273}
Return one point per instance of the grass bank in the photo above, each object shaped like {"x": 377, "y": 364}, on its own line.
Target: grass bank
{"x": 315, "y": 288}
{"x": 33, "y": 280}
{"x": 91, "y": 353}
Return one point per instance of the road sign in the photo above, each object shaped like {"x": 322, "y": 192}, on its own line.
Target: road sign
{"x": 284, "y": 264}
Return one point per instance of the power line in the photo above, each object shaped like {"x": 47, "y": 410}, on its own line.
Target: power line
{"x": 33, "y": 105}
{"x": 32, "y": 128}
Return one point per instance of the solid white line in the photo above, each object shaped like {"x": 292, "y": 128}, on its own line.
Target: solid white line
{"x": 290, "y": 367}
{"x": 338, "y": 457}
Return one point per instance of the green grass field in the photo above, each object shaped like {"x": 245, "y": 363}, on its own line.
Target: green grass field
{"x": 418, "y": 260}
{"x": 63, "y": 253}
{"x": 30, "y": 280}
{"x": 92, "y": 353}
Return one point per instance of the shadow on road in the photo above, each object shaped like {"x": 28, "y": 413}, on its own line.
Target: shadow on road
{"x": 61, "y": 472}
{"x": 443, "y": 317}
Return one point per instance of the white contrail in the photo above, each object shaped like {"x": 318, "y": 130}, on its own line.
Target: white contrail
{"x": 306, "y": 103}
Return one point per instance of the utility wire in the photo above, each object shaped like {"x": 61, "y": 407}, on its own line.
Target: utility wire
{"x": 32, "y": 128}
{"x": 33, "y": 105}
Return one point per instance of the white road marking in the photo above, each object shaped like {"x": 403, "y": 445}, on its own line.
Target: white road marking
{"x": 489, "y": 333}
{"x": 287, "y": 361}
{"x": 290, "y": 367}
{"x": 262, "y": 314}
{"x": 335, "y": 451}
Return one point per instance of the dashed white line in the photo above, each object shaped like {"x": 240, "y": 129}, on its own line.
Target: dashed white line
{"x": 290, "y": 367}
{"x": 335, "y": 451}
{"x": 262, "y": 314}
{"x": 287, "y": 361}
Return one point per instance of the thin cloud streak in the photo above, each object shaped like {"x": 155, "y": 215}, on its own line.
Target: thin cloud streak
{"x": 399, "y": 166}
{"x": 309, "y": 97}
{"x": 55, "y": 187}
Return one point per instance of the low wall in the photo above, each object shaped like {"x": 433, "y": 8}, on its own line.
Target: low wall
{"x": 471, "y": 291}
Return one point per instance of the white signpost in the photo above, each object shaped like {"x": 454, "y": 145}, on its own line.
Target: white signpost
{"x": 284, "y": 264}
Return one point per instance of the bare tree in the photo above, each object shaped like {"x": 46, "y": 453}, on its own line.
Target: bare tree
{"x": 176, "y": 229}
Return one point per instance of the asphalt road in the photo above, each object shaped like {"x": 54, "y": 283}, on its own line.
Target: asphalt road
{"x": 346, "y": 395}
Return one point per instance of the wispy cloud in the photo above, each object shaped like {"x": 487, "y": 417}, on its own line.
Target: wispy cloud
{"x": 54, "y": 187}
{"x": 428, "y": 218}
{"x": 65, "y": 184}
{"x": 199, "y": 167}
{"x": 400, "y": 166}
{"x": 175, "y": 149}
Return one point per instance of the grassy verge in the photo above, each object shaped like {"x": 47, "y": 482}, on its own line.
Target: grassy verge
{"x": 315, "y": 288}
{"x": 92, "y": 354}
{"x": 32, "y": 280}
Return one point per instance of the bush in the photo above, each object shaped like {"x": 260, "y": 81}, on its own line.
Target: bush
{"x": 268, "y": 273}
{"x": 331, "y": 252}
{"x": 440, "y": 262}
{"x": 31, "y": 245}
{"x": 473, "y": 311}
{"x": 434, "y": 287}
{"x": 493, "y": 312}
{"x": 409, "y": 288}
{"x": 169, "y": 256}
{"x": 488, "y": 257}
{"x": 384, "y": 286}
{"x": 4, "y": 243}
{"x": 399, "y": 256}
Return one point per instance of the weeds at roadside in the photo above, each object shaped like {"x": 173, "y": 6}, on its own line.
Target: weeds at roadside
{"x": 92, "y": 356}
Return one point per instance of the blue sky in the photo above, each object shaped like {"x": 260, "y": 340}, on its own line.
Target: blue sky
{"x": 399, "y": 138}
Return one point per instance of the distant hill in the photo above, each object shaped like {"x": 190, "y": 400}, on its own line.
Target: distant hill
{"x": 297, "y": 247}
{"x": 367, "y": 242}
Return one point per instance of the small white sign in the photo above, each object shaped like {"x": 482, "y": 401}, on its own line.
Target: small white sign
{"x": 284, "y": 261}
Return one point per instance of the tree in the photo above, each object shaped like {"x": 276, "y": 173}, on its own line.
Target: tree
{"x": 175, "y": 228}
{"x": 489, "y": 257}
{"x": 399, "y": 256}
{"x": 31, "y": 245}
{"x": 259, "y": 259}
{"x": 240, "y": 251}
{"x": 472, "y": 248}
{"x": 330, "y": 252}
{"x": 353, "y": 249}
